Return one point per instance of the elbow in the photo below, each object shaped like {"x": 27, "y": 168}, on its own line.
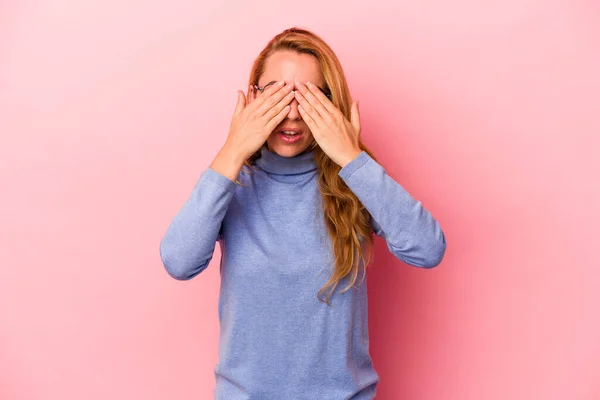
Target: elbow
{"x": 433, "y": 260}
{"x": 435, "y": 254}
{"x": 176, "y": 265}
{"x": 426, "y": 256}
{"x": 176, "y": 271}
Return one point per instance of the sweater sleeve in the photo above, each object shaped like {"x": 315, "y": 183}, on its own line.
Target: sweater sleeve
{"x": 189, "y": 242}
{"x": 412, "y": 234}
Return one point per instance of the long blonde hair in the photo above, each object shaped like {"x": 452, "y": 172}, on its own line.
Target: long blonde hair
{"x": 347, "y": 220}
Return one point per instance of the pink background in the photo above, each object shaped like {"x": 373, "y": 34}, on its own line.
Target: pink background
{"x": 486, "y": 111}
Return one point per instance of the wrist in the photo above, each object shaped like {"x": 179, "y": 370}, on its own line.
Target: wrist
{"x": 232, "y": 154}
{"x": 228, "y": 163}
{"x": 350, "y": 156}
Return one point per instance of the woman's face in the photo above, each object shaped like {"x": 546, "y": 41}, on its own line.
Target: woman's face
{"x": 291, "y": 67}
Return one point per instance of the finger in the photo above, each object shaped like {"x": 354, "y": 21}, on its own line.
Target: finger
{"x": 261, "y": 97}
{"x": 241, "y": 103}
{"x": 309, "y": 109}
{"x": 314, "y": 102}
{"x": 276, "y": 120}
{"x": 279, "y": 106}
{"x": 249, "y": 96}
{"x": 270, "y": 98}
{"x": 325, "y": 102}
{"x": 355, "y": 116}
{"x": 308, "y": 119}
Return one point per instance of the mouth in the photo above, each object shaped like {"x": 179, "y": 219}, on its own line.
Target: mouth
{"x": 290, "y": 135}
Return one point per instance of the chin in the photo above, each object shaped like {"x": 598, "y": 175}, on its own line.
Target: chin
{"x": 288, "y": 150}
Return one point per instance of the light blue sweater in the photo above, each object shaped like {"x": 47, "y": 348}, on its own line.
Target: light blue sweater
{"x": 277, "y": 340}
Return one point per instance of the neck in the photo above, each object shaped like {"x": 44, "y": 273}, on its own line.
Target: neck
{"x": 273, "y": 163}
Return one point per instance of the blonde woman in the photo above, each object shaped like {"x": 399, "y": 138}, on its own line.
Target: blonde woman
{"x": 293, "y": 198}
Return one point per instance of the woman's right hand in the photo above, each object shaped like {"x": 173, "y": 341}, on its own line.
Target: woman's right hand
{"x": 255, "y": 117}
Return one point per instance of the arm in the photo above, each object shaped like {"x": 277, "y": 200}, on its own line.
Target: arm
{"x": 188, "y": 245}
{"x": 410, "y": 231}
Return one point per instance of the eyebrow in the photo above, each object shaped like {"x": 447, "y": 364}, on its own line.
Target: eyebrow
{"x": 272, "y": 82}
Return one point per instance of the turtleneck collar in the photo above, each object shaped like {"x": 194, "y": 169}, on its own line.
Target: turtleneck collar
{"x": 273, "y": 163}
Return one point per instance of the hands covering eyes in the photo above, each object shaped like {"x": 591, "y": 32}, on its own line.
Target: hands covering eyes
{"x": 255, "y": 117}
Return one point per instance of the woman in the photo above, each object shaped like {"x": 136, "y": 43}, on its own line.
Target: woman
{"x": 294, "y": 227}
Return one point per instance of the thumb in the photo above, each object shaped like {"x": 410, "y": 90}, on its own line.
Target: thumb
{"x": 241, "y": 103}
{"x": 355, "y": 116}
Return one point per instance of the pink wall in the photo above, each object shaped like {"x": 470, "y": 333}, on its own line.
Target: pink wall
{"x": 487, "y": 111}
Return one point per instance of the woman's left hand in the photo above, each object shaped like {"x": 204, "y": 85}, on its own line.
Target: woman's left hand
{"x": 336, "y": 136}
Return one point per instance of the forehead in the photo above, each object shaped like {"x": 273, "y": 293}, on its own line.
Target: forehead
{"x": 292, "y": 66}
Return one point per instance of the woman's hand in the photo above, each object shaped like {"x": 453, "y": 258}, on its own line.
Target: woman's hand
{"x": 337, "y": 137}
{"x": 255, "y": 118}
